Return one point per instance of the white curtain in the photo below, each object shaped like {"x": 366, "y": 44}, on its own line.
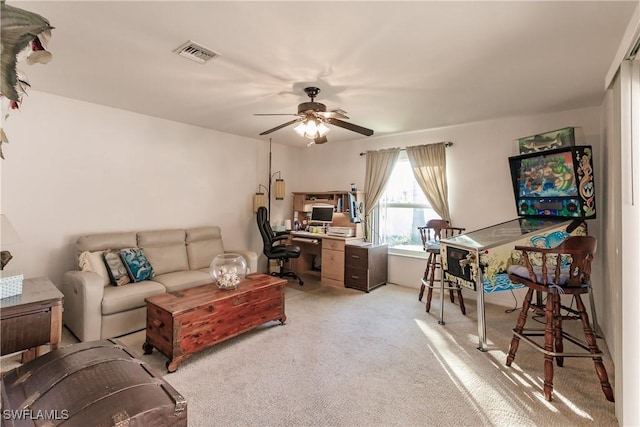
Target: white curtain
{"x": 380, "y": 164}
{"x": 429, "y": 164}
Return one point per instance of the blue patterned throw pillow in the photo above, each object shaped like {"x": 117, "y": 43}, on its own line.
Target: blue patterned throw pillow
{"x": 137, "y": 264}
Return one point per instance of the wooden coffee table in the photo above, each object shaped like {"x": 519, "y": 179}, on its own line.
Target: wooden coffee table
{"x": 182, "y": 323}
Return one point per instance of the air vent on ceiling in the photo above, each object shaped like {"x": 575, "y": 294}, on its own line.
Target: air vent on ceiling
{"x": 196, "y": 52}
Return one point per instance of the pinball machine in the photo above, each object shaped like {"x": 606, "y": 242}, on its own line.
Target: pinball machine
{"x": 554, "y": 195}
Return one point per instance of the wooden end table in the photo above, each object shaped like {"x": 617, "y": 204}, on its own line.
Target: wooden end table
{"x": 181, "y": 323}
{"x": 31, "y": 319}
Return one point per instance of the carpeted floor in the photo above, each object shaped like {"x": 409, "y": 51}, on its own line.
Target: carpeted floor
{"x": 347, "y": 358}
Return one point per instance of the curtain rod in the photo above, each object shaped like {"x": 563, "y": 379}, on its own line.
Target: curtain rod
{"x": 446, "y": 144}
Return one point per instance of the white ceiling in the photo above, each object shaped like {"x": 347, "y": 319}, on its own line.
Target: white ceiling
{"x": 393, "y": 66}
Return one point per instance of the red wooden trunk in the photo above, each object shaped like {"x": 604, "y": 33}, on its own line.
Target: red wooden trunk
{"x": 183, "y": 322}
{"x": 97, "y": 383}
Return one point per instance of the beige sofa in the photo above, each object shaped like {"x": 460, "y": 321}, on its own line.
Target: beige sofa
{"x": 95, "y": 309}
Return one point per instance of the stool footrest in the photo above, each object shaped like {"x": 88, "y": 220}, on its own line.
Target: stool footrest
{"x": 527, "y": 333}
{"x": 437, "y": 286}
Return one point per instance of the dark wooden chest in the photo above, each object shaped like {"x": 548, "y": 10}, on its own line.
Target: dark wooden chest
{"x": 182, "y": 323}
{"x": 96, "y": 383}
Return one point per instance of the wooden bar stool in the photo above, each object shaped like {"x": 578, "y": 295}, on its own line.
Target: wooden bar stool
{"x": 431, "y": 235}
{"x": 563, "y": 270}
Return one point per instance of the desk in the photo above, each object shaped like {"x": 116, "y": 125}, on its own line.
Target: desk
{"x": 31, "y": 319}
{"x": 329, "y": 248}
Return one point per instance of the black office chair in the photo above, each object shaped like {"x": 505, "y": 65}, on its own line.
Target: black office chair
{"x": 274, "y": 246}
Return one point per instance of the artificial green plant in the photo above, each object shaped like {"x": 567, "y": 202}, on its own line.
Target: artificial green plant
{"x": 22, "y": 33}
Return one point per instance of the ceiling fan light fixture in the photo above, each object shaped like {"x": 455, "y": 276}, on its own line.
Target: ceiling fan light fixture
{"x": 322, "y": 130}
{"x": 301, "y": 128}
{"x": 311, "y": 128}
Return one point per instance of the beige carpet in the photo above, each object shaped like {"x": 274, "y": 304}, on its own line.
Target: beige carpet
{"x": 347, "y": 358}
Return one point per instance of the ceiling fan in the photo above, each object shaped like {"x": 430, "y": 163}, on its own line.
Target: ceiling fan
{"x": 312, "y": 117}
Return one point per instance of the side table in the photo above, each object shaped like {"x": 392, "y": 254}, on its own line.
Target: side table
{"x": 31, "y": 319}
{"x": 365, "y": 265}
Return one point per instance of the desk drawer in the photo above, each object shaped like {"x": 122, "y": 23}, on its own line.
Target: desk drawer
{"x": 333, "y": 244}
{"x": 24, "y": 332}
{"x": 332, "y": 264}
{"x": 356, "y": 277}
{"x": 356, "y": 257}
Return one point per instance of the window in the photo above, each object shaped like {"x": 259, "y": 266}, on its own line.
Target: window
{"x": 402, "y": 209}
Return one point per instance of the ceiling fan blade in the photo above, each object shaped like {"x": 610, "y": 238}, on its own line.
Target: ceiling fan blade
{"x": 320, "y": 140}
{"x": 333, "y": 114}
{"x": 350, "y": 126}
{"x": 274, "y": 114}
{"x": 266, "y": 132}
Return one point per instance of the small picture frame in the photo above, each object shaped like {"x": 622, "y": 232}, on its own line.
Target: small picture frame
{"x": 558, "y": 138}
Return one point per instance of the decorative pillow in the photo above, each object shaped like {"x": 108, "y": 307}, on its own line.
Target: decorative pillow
{"x": 115, "y": 267}
{"x": 136, "y": 264}
{"x": 93, "y": 261}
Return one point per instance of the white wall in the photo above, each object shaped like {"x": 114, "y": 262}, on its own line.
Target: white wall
{"x": 480, "y": 192}
{"x": 76, "y": 168}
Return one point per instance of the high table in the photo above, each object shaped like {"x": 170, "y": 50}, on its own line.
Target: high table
{"x": 478, "y": 260}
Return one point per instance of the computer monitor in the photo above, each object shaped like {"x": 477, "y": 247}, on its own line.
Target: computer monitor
{"x": 353, "y": 208}
{"x": 322, "y": 214}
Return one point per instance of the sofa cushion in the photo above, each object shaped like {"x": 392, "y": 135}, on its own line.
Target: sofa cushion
{"x": 203, "y": 245}
{"x": 115, "y": 267}
{"x": 183, "y": 279}
{"x": 165, "y": 250}
{"x": 137, "y": 264}
{"x": 93, "y": 261}
{"x": 167, "y": 259}
{"x": 102, "y": 241}
{"x": 123, "y": 298}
